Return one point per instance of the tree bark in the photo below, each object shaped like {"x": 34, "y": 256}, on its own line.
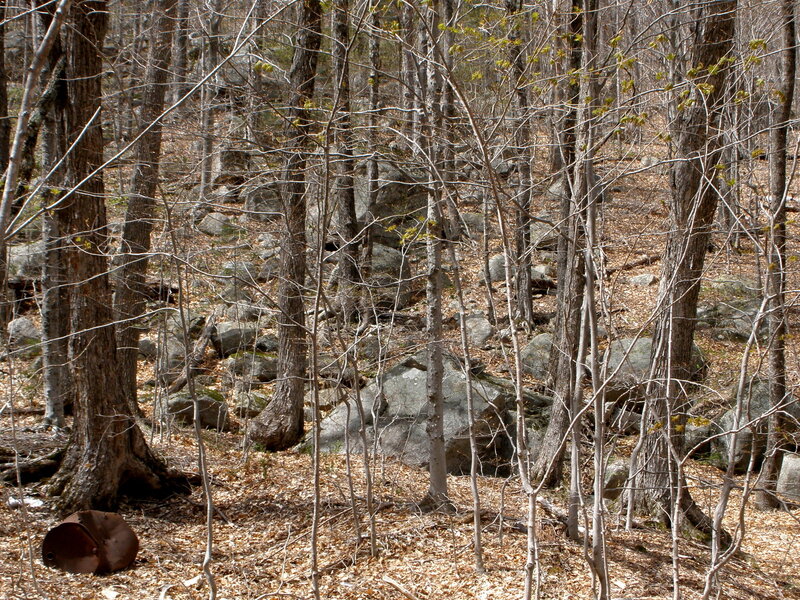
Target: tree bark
{"x": 107, "y": 454}
{"x": 431, "y": 125}
{"x": 180, "y": 50}
{"x": 132, "y": 260}
{"x": 5, "y": 125}
{"x": 776, "y": 269}
{"x": 570, "y": 276}
{"x": 522, "y": 200}
{"x": 280, "y": 424}
{"x": 58, "y": 386}
{"x": 208, "y": 97}
{"x": 344, "y": 197}
{"x": 693, "y": 205}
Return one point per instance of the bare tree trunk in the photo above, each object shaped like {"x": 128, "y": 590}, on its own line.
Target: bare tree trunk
{"x": 16, "y": 154}
{"x": 570, "y": 277}
{"x": 522, "y": 135}
{"x": 280, "y": 424}
{"x": 692, "y": 208}
{"x": 208, "y": 97}
{"x": 180, "y": 50}
{"x": 107, "y": 454}
{"x": 58, "y": 388}
{"x": 132, "y": 260}
{"x": 408, "y": 72}
{"x": 776, "y": 270}
{"x": 5, "y": 125}
{"x": 347, "y": 225}
{"x": 434, "y": 229}
{"x": 373, "y": 136}
{"x": 47, "y": 118}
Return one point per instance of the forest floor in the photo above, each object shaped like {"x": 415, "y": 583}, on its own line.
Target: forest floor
{"x": 262, "y": 539}
{"x": 262, "y": 526}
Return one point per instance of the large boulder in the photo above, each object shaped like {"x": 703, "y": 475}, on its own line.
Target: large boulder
{"x": 25, "y": 261}
{"x": 789, "y": 478}
{"x": 249, "y": 367}
{"x": 497, "y": 268}
{"x": 402, "y": 413}
{"x": 24, "y": 337}
{"x": 243, "y": 271}
{"x": 230, "y": 166}
{"x": 229, "y": 337}
{"x": 390, "y": 277}
{"x": 217, "y": 224}
{"x": 731, "y": 319}
{"x": 628, "y": 364}
{"x": 249, "y": 403}
{"x": 327, "y": 399}
{"x": 543, "y": 236}
{"x": 697, "y": 435}
{"x": 614, "y": 481}
{"x": 399, "y": 200}
{"x": 171, "y": 359}
{"x": 148, "y": 349}
{"x": 729, "y": 308}
{"x": 472, "y": 225}
{"x": 535, "y": 356}
{"x": 179, "y": 408}
{"x": 262, "y": 201}
{"x": 751, "y": 427}
{"x": 174, "y": 321}
{"x": 479, "y": 330}
{"x": 541, "y": 281}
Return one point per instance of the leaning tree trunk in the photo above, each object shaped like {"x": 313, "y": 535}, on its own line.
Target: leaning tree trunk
{"x": 107, "y": 454}
{"x": 280, "y": 424}
{"x": 693, "y": 204}
{"x": 132, "y": 260}
{"x": 776, "y": 271}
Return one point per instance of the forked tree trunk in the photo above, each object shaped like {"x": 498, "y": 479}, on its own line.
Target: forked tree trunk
{"x": 693, "y": 204}
{"x": 131, "y": 262}
{"x": 280, "y": 424}
{"x": 107, "y": 455}
{"x": 776, "y": 271}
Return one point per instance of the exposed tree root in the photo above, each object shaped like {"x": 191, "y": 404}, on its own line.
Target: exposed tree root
{"x": 32, "y": 469}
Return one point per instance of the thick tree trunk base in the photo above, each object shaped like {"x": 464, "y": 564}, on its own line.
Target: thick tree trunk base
{"x": 274, "y": 430}
{"x": 431, "y": 503}
{"x": 767, "y": 500}
{"x": 701, "y": 522}
{"x": 126, "y": 469}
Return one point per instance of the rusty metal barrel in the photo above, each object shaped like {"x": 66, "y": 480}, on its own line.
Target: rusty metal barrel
{"x": 90, "y": 541}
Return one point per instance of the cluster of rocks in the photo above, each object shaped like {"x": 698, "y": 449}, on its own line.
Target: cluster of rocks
{"x": 389, "y": 412}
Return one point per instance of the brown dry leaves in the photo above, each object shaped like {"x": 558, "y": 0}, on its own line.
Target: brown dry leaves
{"x": 262, "y": 541}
